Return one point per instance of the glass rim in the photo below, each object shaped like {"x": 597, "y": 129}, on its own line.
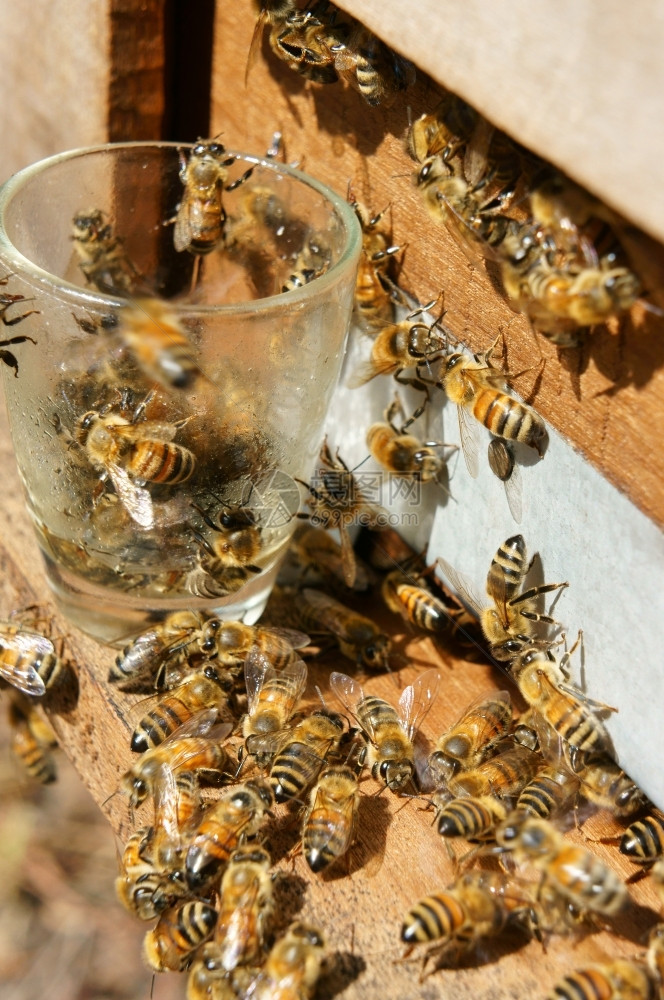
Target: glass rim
{"x": 90, "y": 297}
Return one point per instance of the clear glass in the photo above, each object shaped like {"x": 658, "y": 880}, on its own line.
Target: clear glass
{"x": 160, "y": 425}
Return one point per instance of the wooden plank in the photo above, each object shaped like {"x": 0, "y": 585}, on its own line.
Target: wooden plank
{"x": 399, "y": 857}
{"x": 137, "y": 90}
{"x": 604, "y": 398}
{"x": 578, "y": 85}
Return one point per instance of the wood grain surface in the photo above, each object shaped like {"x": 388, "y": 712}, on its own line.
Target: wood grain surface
{"x": 398, "y": 857}
{"x": 605, "y": 398}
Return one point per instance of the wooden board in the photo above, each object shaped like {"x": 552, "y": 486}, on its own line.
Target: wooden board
{"x": 604, "y": 398}
{"x": 399, "y": 857}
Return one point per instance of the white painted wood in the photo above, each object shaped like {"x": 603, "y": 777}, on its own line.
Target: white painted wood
{"x": 586, "y": 532}
{"x": 578, "y": 81}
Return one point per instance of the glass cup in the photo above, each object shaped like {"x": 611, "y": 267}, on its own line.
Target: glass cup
{"x": 164, "y": 392}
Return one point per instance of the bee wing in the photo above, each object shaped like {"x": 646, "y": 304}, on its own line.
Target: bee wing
{"x": 28, "y": 646}
{"x": 135, "y": 499}
{"x": 294, "y": 638}
{"x": 469, "y": 433}
{"x": 158, "y": 430}
{"x": 336, "y": 815}
{"x": 477, "y": 150}
{"x": 267, "y": 742}
{"x": 462, "y": 586}
{"x": 258, "y": 669}
{"x": 348, "y": 561}
{"x": 166, "y": 802}
{"x": 330, "y": 613}
{"x": 416, "y": 700}
{"x": 182, "y": 228}
{"x": 254, "y": 45}
{"x": 482, "y": 708}
{"x": 514, "y": 494}
{"x": 578, "y": 699}
{"x": 350, "y": 694}
{"x": 203, "y": 723}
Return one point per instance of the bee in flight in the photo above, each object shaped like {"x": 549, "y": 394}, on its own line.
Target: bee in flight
{"x": 129, "y": 450}
{"x": 508, "y": 622}
{"x": 32, "y": 738}
{"x": 388, "y": 732}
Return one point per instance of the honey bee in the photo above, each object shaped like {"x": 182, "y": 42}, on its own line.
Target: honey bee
{"x": 32, "y": 739}
{"x": 239, "y": 813}
{"x": 126, "y": 451}
{"x": 102, "y": 257}
{"x": 233, "y": 643}
{"x": 388, "y": 732}
{"x": 299, "y": 752}
{"x": 508, "y": 622}
{"x": 293, "y": 966}
{"x": 569, "y": 871}
{"x": 150, "y": 654}
{"x": 358, "y": 637}
{"x": 399, "y": 346}
{"x": 152, "y": 332}
{"x": 480, "y": 391}
{"x": 206, "y": 689}
{"x": 603, "y": 781}
{"x": 473, "y": 737}
{"x": 245, "y": 909}
{"x": 301, "y": 39}
{"x": 503, "y": 466}
{"x": 655, "y": 953}
{"x": 329, "y": 821}
{"x": 142, "y": 887}
{"x": 179, "y": 932}
{"x": 474, "y": 818}
{"x": 375, "y": 293}
{"x": 29, "y": 661}
{"x": 315, "y": 549}
{"x": 336, "y": 501}
{"x": 407, "y": 596}
{"x": 444, "y": 131}
{"x": 504, "y": 775}
{"x": 544, "y": 684}
{"x": 548, "y": 792}
{"x": 313, "y": 260}
{"x": 237, "y": 538}
{"x": 201, "y": 217}
{"x": 404, "y": 454}
{"x": 371, "y": 68}
{"x": 643, "y": 841}
{"x": 197, "y": 749}
{"x": 617, "y": 980}
{"x": 271, "y": 694}
{"x": 478, "y": 905}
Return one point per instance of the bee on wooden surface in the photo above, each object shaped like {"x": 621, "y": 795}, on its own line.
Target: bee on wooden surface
{"x": 503, "y": 775}
{"x": 503, "y": 466}
{"x": 272, "y": 694}
{"x": 245, "y": 909}
{"x": 142, "y": 886}
{"x": 444, "y": 131}
{"x": 208, "y": 688}
{"x": 293, "y": 966}
{"x": 336, "y": 501}
{"x": 315, "y": 549}
{"x": 301, "y": 39}
{"x": 407, "y": 595}
{"x": 508, "y": 623}
{"x": 548, "y": 793}
{"x": 480, "y": 392}
{"x": 238, "y": 814}
{"x": 299, "y": 753}
{"x": 233, "y": 642}
{"x": 375, "y": 293}
{"x": 643, "y": 841}
{"x": 371, "y": 68}
{"x": 467, "y": 743}
{"x": 388, "y": 732}
{"x": 621, "y": 979}
{"x": 399, "y": 346}
{"x": 150, "y": 654}
{"x": 603, "y": 781}
{"x": 178, "y": 933}
{"x": 102, "y": 256}
{"x": 29, "y": 661}
{"x": 359, "y": 638}
{"x": 403, "y": 454}
{"x": 329, "y": 821}
{"x": 477, "y": 905}
{"x": 569, "y": 871}
{"x": 196, "y": 746}
{"x": 152, "y": 332}
{"x": 474, "y": 818}
{"x": 201, "y": 217}
{"x": 126, "y": 451}
{"x": 543, "y": 682}
{"x": 32, "y": 739}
